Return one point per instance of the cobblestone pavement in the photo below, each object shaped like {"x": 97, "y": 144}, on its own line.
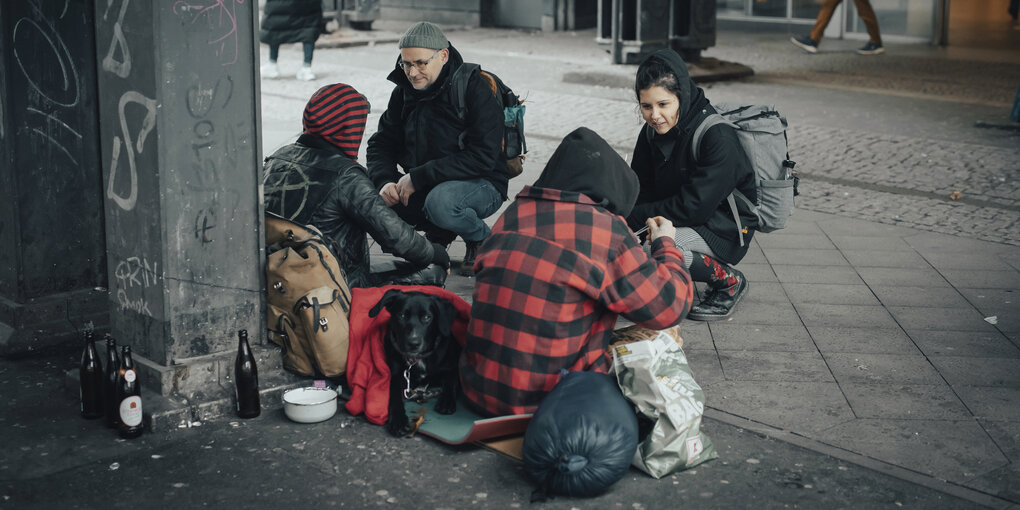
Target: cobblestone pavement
{"x": 892, "y": 139}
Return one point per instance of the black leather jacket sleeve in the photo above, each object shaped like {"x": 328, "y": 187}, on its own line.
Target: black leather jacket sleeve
{"x": 361, "y": 202}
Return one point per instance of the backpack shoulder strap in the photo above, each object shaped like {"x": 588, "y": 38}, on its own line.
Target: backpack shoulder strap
{"x": 458, "y": 86}
{"x": 699, "y": 133}
{"x": 490, "y": 80}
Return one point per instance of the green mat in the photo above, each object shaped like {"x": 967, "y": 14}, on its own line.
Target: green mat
{"x": 464, "y": 426}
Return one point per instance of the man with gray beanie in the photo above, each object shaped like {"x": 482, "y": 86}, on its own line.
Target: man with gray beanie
{"x": 443, "y": 127}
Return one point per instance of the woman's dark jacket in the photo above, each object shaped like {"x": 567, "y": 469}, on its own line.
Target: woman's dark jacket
{"x": 693, "y": 193}
{"x": 290, "y": 21}
{"x": 422, "y": 132}
{"x": 312, "y": 182}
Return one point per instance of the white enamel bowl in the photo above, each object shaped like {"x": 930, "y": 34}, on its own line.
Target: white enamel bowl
{"x": 309, "y": 405}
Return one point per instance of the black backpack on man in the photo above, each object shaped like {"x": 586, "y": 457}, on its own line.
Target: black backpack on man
{"x": 514, "y": 145}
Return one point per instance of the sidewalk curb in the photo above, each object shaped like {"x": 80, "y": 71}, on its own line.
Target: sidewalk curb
{"x": 707, "y": 70}
{"x": 946, "y": 487}
{"x": 354, "y": 42}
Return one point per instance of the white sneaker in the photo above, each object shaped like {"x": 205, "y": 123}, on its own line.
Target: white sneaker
{"x": 305, "y": 73}
{"x": 271, "y": 70}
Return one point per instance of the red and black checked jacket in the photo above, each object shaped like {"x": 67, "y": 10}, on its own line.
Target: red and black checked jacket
{"x": 549, "y": 283}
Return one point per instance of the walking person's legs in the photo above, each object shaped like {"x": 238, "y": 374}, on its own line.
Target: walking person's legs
{"x": 305, "y": 73}
{"x": 809, "y": 43}
{"x": 824, "y": 17}
{"x": 870, "y": 20}
{"x": 271, "y": 69}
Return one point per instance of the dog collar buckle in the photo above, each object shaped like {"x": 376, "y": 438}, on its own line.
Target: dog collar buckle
{"x": 419, "y": 394}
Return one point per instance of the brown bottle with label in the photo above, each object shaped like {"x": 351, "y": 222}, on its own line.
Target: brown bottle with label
{"x": 90, "y": 379}
{"x": 129, "y": 395}
{"x": 246, "y": 379}
{"x": 110, "y": 383}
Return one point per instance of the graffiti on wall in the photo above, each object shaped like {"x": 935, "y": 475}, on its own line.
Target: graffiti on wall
{"x": 43, "y": 59}
{"x": 220, "y": 17}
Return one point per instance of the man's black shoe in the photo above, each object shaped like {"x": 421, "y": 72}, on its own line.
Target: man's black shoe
{"x": 719, "y": 303}
{"x": 467, "y": 268}
{"x": 440, "y": 236}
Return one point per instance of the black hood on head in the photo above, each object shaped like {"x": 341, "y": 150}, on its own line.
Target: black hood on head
{"x": 692, "y": 98}
{"x": 585, "y": 163}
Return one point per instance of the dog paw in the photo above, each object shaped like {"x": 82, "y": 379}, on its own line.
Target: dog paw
{"x": 446, "y": 406}
{"x": 397, "y": 429}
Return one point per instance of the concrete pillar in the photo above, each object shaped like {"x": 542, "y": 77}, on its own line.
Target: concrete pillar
{"x": 178, "y": 110}
{"x": 52, "y": 260}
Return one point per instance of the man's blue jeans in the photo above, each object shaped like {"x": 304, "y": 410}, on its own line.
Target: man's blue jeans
{"x": 456, "y": 206}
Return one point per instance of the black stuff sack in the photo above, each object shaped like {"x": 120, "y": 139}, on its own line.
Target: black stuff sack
{"x": 582, "y": 438}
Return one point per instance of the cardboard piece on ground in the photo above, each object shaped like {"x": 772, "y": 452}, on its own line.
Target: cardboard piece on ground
{"x": 464, "y": 426}
{"x": 512, "y": 447}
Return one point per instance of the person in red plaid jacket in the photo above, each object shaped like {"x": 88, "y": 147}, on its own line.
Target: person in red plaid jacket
{"x": 558, "y": 268}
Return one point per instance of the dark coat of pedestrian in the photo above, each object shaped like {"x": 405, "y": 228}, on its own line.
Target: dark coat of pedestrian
{"x": 290, "y": 21}
{"x": 692, "y": 194}
{"x": 558, "y": 269}
{"x": 317, "y": 181}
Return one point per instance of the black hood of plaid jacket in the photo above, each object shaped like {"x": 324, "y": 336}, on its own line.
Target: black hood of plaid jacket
{"x": 585, "y": 163}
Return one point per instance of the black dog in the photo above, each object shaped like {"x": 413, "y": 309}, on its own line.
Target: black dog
{"x": 421, "y": 353}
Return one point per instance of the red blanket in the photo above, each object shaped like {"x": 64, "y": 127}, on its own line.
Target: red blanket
{"x": 367, "y": 372}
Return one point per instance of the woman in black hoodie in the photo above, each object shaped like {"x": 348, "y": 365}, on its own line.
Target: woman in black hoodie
{"x": 692, "y": 193}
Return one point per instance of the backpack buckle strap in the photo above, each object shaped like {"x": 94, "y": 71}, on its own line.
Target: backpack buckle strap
{"x": 317, "y": 320}
{"x": 736, "y": 217}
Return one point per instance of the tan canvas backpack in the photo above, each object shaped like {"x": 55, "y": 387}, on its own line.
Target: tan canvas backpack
{"x": 309, "y": 302}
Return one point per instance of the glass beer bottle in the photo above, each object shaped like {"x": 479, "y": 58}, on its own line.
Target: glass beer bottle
{"x": 129, "y": 394}
{"x": 90, "y": 379}
{"x": 110, "y": 383}
{"x": 246, "y": 379}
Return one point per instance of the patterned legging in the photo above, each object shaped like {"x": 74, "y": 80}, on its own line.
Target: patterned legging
{"x": 688, "y": 241}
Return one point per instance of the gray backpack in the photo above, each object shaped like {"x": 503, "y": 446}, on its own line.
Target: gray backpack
{"x": 762, "y": 132}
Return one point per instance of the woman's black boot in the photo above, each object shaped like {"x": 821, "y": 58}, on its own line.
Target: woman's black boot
{"x": 726, "y": 286}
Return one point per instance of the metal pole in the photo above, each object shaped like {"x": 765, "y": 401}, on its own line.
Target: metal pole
{"x": 940, "y": 36}
{"x": 615, "y": 33}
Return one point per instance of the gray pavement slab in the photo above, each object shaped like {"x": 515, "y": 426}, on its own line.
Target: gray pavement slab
{"x": 862, "y": 340}
{"x": 905, "y": 401}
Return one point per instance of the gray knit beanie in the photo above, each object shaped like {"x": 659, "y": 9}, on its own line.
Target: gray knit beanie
{"x": 424, "y": 35}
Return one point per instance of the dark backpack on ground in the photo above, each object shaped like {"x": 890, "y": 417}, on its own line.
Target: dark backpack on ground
{"x": 514, "y": 147}
{"x": 309, "y": 301}
{"x": 762, "y": 133}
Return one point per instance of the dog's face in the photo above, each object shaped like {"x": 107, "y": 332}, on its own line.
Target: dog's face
{"x": 419, "y": 322}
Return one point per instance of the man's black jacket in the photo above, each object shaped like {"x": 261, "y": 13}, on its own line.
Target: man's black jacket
{"x": 423, "y": 133}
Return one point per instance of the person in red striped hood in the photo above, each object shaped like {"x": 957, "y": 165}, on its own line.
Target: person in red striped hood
{"x": 559, "y": 267}
{"x": 317, "y": 181}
